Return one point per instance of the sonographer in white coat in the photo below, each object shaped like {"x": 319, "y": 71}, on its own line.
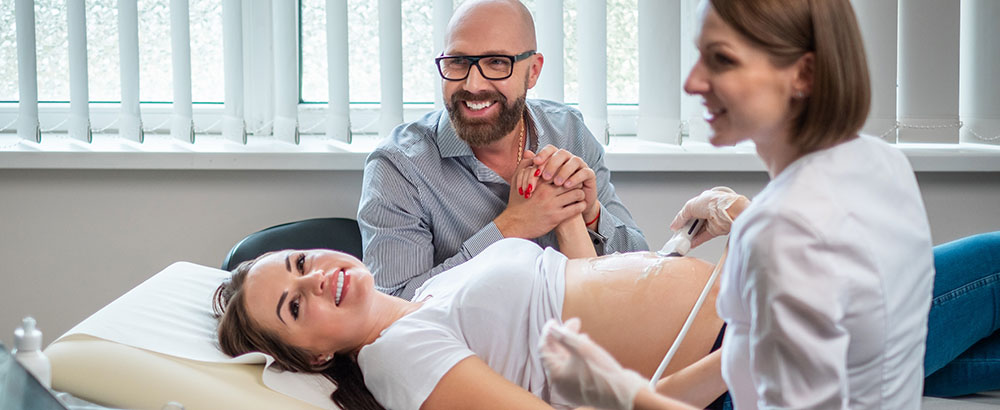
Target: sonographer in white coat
{"x": 828, "y": 281}
{"x": 827, "y": 285}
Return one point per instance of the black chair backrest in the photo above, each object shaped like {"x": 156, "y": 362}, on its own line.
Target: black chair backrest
{"x": 341, "y": 234}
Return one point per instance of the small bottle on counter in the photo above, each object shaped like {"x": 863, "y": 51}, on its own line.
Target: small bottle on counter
{"x": 28, "y": 351}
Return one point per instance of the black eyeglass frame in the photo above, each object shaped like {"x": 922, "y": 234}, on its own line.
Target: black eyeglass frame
{"x": 474, "y": 61}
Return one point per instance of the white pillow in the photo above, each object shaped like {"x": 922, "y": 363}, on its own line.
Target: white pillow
{"x": 170, "y": 314}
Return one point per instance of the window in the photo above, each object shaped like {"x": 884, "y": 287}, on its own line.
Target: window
{"x": 102, "y": 51}
{"x": 419, "y": 76}
{"x": 907, "y": 100}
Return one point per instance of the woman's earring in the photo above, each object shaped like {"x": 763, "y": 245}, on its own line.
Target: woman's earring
{"x": 800, "y": 94}
{"x": 322, "y": 360}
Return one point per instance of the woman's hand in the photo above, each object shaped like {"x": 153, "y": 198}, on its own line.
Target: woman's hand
{"x": 527, "y": 176}
{"x": 585, "y": 373}
{"x": 717, "y": 206}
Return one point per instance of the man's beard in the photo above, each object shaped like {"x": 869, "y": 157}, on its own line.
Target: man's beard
{"x": 482, "y": 132}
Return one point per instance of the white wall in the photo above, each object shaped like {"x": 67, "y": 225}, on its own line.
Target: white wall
{"x": 73, "y": 240}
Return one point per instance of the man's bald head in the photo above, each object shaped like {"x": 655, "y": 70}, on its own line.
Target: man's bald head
{"x": 485, "y": 111}
{"x": 486, "y": 17}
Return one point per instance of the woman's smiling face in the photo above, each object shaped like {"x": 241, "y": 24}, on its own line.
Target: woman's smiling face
{"x": 745, "y": 95}
{"x": 317, "y": 300}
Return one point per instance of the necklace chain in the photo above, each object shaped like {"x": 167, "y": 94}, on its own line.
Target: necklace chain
{"x": 520, "y": 145}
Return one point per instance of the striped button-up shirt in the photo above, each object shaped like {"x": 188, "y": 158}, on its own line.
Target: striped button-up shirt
{"x": 427, "y": 204}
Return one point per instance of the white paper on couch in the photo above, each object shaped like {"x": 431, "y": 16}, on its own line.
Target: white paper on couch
{"x": 171, "y": 313}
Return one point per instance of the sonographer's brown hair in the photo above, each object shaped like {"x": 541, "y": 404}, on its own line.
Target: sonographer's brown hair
{"x": 838, "y": 103}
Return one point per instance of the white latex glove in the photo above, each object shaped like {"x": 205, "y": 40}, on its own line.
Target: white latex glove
{"x": 712, "y": 206}
{"x": 583, "y": 372}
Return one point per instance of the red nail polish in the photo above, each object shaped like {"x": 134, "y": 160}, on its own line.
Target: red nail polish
{"x": 530, "y": 188}
{"x": 528, "y": 195}
{"x": 520, "y": 190}
{"x": 538, "y": 172}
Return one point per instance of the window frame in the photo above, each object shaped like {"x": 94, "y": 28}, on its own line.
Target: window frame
{"x": 56, "y": 146}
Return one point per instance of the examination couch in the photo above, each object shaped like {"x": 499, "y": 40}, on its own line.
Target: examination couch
{"x": 157, "y": 343}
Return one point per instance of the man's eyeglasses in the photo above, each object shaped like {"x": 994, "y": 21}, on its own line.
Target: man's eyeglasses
{"x": 492, "y": 66}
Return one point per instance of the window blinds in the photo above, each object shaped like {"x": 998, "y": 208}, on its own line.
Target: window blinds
{"x": 932, "y": 66}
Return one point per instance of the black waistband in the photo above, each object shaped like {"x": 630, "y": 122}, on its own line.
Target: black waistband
{"x": 721, "y": 402}
{"x": 718, "y": 339}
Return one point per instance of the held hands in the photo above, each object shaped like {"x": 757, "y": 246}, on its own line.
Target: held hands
{"x": 717, "y": 206}
{"x": 583, "y": 372}
{"x": 561, "y": 168}
{"x": 549, "y": 206}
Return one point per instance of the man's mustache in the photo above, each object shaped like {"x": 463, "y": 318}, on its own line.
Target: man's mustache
{"x": 463, "y": 95}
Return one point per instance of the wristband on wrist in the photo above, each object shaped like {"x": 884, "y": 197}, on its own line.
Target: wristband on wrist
{"x": 595, "y": 218}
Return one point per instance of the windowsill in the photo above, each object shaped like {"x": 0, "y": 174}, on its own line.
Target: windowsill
{"x": 315, "y": 153}
{"x": 635, "y": 155}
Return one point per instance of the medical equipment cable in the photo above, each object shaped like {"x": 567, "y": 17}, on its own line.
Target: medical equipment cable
{"x": 690, "y": 319}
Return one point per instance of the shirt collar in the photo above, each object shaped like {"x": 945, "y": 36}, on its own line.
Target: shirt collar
{"x": 450, "y": 145}
{"x": 448, "y": 141}
{"x": 536, "y": 127}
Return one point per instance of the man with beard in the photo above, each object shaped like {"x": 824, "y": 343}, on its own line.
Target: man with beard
{"x": 437, "y": 191}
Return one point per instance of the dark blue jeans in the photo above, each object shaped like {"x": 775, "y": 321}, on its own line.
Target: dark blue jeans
{"x": 963, "y": 344}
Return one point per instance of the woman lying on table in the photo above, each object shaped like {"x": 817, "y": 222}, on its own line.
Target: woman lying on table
{"x": 468, "y": 338}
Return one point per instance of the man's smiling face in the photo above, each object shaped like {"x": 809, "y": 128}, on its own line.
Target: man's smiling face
{"x": 481, "y": 110}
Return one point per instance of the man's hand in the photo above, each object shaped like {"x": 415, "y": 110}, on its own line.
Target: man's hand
{"x": 548, "y": 206}
{"x": 562, "y": 168}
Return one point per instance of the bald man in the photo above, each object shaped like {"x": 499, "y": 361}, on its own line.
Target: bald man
{"x": 437, "y": 191}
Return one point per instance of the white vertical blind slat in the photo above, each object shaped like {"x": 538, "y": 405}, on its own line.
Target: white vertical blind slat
{"x": 129, "y": 120}
{"x": 390, "y": 46}
{"x": 980, "y": 62}
{"x": 27, "y": 72}
{"x": 927, "y": 99}
{"x": 878, "y": 23}
{"x": 258, "y": 60}
{"x": 338, "y": 125}
{"x": 442, "y": 15}
{"x": 549, "y": 31}
{"x": 79, "y": 95}
{"x": 286, "y": 74}
{"x": 592, "y": 46}
{"x": 233, "y": 126}
{"x": 659, "y": 69}
{"x": 182, "y": 123}
{"x": 692, "y": 109}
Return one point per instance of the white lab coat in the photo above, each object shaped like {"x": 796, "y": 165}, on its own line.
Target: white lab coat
{"x": 828, "y": 284}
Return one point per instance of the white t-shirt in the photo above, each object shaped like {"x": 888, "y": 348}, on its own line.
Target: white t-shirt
{"x": 493, "y": 306}
{"x": 828, "y": 284}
